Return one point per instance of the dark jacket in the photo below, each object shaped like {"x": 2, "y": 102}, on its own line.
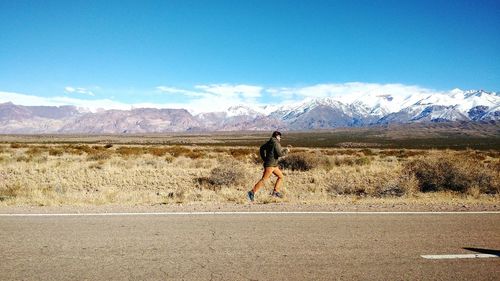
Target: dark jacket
{"x": 271, "y": 151}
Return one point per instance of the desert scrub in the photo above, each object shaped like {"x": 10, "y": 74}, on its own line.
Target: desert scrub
{"x": 16, "y": 145}
{"x": 34, "y": 151}
{"x": 228, "y": 174}
{"x": 128, "y": 151}
{"x": 367, "y": 152}
{"x": 300, "y": 161}
{"x": 53, "y": 151}
{"x": 351, "y": 160}
{"x": 453, "y": 172}
{"x": 402, "y": 153}
{"x": 157, "y": 151}
{"x": 493, "y": 154}
{"x": 98, "y": 155}
{"x": 10, "y": 191}
{"x": 371, "y": 182}
{"x": 241, "y": 153}
{"x": 177, "y": 151}
{"x": 78, "y": 149}
{"x": 195, "y": 154}
{"x": 362, "y": 160}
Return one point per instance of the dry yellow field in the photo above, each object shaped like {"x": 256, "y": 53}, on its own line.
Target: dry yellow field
{"x": 72, "y": 174}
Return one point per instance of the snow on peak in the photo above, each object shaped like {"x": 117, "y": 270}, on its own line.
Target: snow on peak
{"x": 241, "y": 110}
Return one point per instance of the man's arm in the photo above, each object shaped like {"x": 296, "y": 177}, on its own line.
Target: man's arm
{"x": 280, "y": 152}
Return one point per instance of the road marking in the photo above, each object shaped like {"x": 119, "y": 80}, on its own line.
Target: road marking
{"x": 462, "y": 256}
{"x": 242, "y": 213}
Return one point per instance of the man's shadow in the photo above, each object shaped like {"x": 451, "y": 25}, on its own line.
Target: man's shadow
{"x": 484, "y": 251}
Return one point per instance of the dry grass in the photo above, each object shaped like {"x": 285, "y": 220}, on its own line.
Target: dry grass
{"x": 80, "y": 174}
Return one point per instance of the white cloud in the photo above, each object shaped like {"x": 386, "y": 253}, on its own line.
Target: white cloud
{"x": 226, "y": 90}
{"x": 349, "y": 92}
{"x": 216, "y": 97}
{"x": 173, "y": 90}
{"x": 79, "y": 90}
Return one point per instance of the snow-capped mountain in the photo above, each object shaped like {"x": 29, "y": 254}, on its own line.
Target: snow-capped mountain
{"x": 320, "y": 113}
{"x": 379, "y": 108}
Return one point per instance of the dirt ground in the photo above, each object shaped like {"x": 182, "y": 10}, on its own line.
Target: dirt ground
{"x": 347, "y": 206}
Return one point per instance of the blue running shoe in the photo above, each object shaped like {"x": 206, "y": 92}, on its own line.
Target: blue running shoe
{"x": 277, "y": 194}
{"x": 250, "y": 196}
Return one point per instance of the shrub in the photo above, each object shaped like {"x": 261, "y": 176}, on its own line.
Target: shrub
{"x": 177, "y": 151}
{"x": 130, "y": 151}
{"x": 367, "y": 152}
{"x": 493, "y": 154}
{"x": 97, "y": 165}
{"x": 371, "y": 183}
{"x": 195, "y": 154}
{"x": 241, "y": 153}
{"x": 412, "y": 153}
{"x": 351, "y": 161}
{"x": 362, "y": 161}
{"x": 98, "y": 156}
{"x": 55, "y": 152}
{"x": 33, "y": 151}
{"x": 169, "y": 158}
{"x": 157, "y": 151}
{"x": 85, "y": 148}
{"x": 23, "y": 158}
{"x": 299, "y": 162}
{"x": 228, "y": 174}
{"x": 255, "y": 159}
{"x": 10, "y": 191}
{"x": 347, "y": 189}
{"x": 18, "y": 145}
{"x": 219, "y": 150}
{"x": 98, "y": 147}
{"x": 345, "y": 152}
{"x": 71, "y": 149}
{"x": 453, "y": 172}
{"x": 402, "y": 153}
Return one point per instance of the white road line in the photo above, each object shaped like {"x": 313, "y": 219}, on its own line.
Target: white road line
{"x": 462, "y": 256}
{"x": 241, "y": 213}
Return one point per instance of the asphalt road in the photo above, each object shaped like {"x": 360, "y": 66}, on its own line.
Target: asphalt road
{"x": 248, "y": 247}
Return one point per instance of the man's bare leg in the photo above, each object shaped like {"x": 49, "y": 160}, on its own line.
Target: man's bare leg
{"x": 278, "y": 183}
{"x": 265, "y": 176}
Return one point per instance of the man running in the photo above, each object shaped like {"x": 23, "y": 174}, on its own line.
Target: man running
{"x": 270, "y": 152}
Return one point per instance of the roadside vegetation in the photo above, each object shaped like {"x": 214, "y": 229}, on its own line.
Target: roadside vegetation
{"x": 100, "y": 174}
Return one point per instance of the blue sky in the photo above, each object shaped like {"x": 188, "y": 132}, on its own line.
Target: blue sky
{"x": 174, "y": 53}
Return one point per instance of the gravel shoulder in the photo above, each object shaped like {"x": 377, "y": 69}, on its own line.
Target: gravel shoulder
{"x": 342, "y": 206}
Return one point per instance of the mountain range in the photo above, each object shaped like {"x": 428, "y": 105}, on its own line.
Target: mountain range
{"x": 310, "y": 114}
